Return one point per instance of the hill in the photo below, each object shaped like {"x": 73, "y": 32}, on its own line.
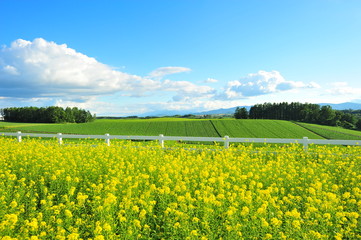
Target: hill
{"x": 175, "y": 127}
{"x": 329, "y": 132}
{"x": 343, "y": 106}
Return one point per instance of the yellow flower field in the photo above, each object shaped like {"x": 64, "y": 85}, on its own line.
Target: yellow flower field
{"x": 126, "y": 191}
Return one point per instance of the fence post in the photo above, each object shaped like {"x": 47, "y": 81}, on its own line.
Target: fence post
{"x": 161, "y": 140}
{"x": 305, "y": 143}
{"x": 226, "y": 141}
{"x": 60, "y": 139}
{"x": 107, "y": 139}
{"x": 19, "y": 136}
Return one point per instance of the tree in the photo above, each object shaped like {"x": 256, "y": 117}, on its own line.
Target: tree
{"x": 256, "y": 111}
{"x": 46, "y": 115}
{"x": 347, "y": 120}
{"x": 69, "y": 115}
{"x": 241, "y": 113}
{"x": 327, "y": 116}
{"x": 358, "y": 124}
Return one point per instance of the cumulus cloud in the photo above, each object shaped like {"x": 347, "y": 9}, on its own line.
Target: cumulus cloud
{"x": 163, "y": 71}
{"x": 43, "y": 73}
{"x": 46, "y": 69}
{"x": 187, "y": 90}
{"x": 11, "y": 70}
{"x": 211, "y": 80}
{"x": 261, "y": 83}
{"x": 188, "y": 106}
{"x": 342, "y": 88}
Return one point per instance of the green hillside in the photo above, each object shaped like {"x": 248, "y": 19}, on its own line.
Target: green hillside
{"x": 332, "y": 132}
{"x": 146, "y": 127}
{"x": 255, "y": 128}
{"x": 174, "y": 127}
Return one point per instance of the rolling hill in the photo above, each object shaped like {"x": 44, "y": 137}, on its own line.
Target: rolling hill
{"x": 174, "y": 127}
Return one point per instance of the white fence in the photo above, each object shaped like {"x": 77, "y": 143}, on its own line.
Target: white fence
{"x": 161, "y": 138}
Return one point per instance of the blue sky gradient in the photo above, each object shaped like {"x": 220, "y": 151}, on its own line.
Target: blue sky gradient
{"x": 178, "y": 55}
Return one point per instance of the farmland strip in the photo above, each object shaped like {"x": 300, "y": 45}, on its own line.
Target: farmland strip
{"x": 215, "y": 129}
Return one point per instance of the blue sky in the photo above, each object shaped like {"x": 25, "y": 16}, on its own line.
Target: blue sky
{"x": 131, "y": 57}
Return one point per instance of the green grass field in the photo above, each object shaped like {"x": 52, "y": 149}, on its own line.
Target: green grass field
{"x": 146, "y": 127}
{"x": 251, "y": 128}
{"x": 329, "y": 132}
{"x": 248, "y": 128}
{"x": 173, "y": 127}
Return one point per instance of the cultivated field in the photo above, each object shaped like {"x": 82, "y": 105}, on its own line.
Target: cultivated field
{"x": 255, "y": 128}
{"x": 332, "y": 132}
{"x": 127, "y": 191}
{"x": 175, "y": 127}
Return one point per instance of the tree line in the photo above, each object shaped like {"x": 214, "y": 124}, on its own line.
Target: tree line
{"x": 303, "y": 112}
{"x": 46, "y": 115}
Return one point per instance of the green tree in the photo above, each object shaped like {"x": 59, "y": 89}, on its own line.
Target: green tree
{"x": 69, "y": 115}
{"x": 46, "y": 115}
{"x": 358, "y": 124}
{"x": 241, "y": 113}
{"x": 347, "y": 120}
{"x": 327, "y": 116}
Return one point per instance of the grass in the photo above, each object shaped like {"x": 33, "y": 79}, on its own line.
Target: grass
{"x": 248, "y": 128}
{"x": 329, "y": 132}
{"x": 174, "y": 127}
{"x": 11, "y": 125}
{"x": 251, "y": 128}
{"x": 148, "y": 127}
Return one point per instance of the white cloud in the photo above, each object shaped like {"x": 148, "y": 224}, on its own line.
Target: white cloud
{"x": 211, "y": 80}
{"x": 339, "y": 84}
{"x": 94, "y": 105}
{"x": 43, "y": 73}
{"x": 187, "y": 90}
{"x": 313, "y": 85}
{"x": 183, "y": 107}
{"x": 343, "y": 89}
{"x": 42, "y": 69}
{"x": 256, "y": 84}
{"x": 46, "y": 69}
{"x": 10, "y": 70}
{"x": 40, "y": 72}
{"x": 163, "y": 71}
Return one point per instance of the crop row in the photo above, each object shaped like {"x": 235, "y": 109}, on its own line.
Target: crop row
{"x": 170, "y": 127}
{"x": 262, "y": 128}
{"x": 332, "y": 132}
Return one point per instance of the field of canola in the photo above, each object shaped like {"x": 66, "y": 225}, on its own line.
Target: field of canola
{"x": 127, "y": 191}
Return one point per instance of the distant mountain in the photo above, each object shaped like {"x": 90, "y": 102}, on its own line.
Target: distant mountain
{"x": 221, "y": 111}
{"x": 162, "y": 113}
{"x": 343, "y": 106}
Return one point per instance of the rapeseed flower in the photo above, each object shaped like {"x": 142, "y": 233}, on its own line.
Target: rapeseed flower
{"x": 128, "y": 191}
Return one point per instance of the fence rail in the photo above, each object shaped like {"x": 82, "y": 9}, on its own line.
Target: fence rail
{"x": 161, "y": 139}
